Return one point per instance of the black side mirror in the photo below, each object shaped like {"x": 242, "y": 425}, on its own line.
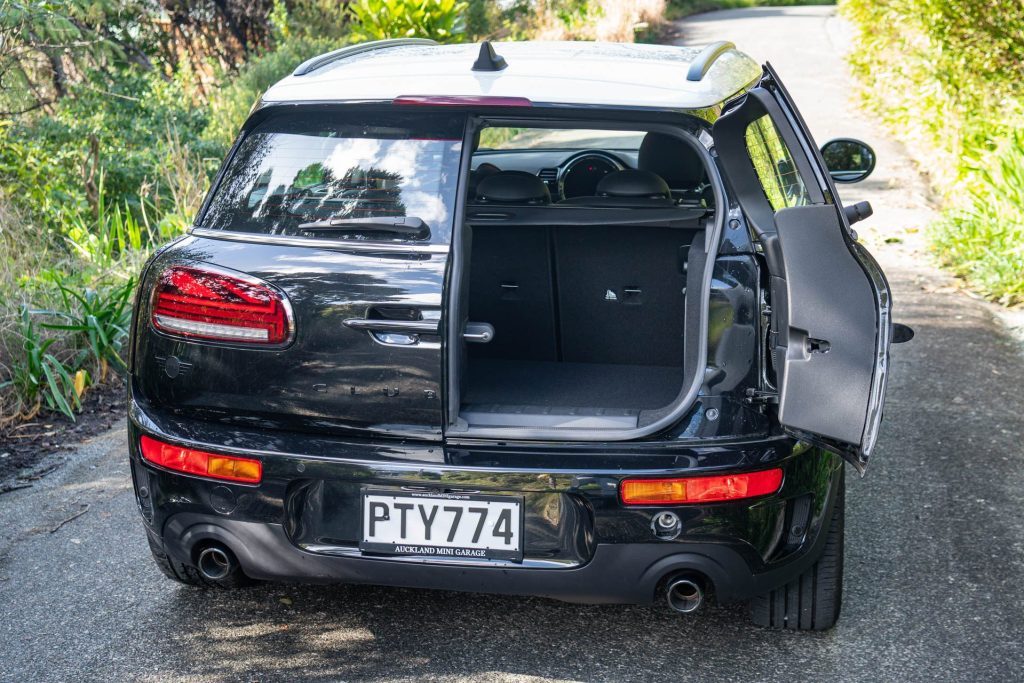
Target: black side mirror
{"x": 848, "y": 160}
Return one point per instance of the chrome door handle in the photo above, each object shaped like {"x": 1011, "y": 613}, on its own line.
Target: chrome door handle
{"x": 478, "y": 333}
{"x": 400, "y": 326}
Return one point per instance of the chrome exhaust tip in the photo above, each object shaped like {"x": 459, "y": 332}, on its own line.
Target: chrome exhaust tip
{"x": 684, "y": 595}
{"x": 215, "y": 563}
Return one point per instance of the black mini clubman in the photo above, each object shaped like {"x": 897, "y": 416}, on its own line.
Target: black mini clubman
{"x": 575, "y": 320}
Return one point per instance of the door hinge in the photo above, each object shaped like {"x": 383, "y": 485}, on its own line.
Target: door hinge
{"x": 758, "y": 397}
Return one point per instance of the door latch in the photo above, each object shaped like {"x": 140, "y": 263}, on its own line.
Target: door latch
{"x": 756, "y": 396}
{"x": 817, "y": 345}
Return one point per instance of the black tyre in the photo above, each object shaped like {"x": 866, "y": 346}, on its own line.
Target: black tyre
{"x": 811, "y": 602}
{"x": 190, "y": 575}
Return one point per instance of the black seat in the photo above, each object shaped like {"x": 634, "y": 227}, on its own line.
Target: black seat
{"x": 512, "y": 187}
{"x": 629, "y": 188}
{"x": 676, "y": 162}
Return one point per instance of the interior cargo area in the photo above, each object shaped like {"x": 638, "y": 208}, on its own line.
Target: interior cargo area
{"x": 588, "y": 324}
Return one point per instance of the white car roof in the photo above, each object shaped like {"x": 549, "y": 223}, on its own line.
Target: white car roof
{"x": 584, "y": 73}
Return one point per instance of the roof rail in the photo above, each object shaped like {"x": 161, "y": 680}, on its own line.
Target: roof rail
{"x": 706, "y": 58}
{"x": 323, "y": 60}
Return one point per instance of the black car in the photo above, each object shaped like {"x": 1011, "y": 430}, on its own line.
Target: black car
{"x": 576, "y": 320}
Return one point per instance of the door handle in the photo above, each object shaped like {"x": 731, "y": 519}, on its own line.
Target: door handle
{"x": 478, "y": 333}
{"x": 399, "y": 326}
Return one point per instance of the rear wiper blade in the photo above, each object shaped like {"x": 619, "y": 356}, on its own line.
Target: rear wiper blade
{"x": 401, "y": 225}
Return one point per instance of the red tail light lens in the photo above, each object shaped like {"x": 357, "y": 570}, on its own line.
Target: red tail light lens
{"x": 201, "y": 463}
{"x": 207, "y": 304}
{"x": 679, "y": 491}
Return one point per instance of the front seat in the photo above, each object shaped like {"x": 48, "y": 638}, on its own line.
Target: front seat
{"x": 512, "y": 187}
{"x": 676, "y": 162}
{"x": 629, "y": 188}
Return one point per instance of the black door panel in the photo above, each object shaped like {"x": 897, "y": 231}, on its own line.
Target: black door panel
{"x": 830, "y": 303}
{"x": 831, "y": 335}
{"x": 333, "y": 376}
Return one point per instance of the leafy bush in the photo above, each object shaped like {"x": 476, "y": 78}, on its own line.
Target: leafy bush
{"x": 99, "y": 320}
{"x": 945, "y": 75}
{"x": 983, "y": 241}
{"x": 39, "y": 378}
{"x": 440, "y": 20}
{"x": 234, "y": 102}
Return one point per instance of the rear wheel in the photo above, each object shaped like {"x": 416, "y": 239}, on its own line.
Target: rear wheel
{"x": 811, "y": 602}
{"x": 190, "y": 575}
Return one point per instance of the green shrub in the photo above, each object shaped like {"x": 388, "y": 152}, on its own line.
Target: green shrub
{"x": 39, "y": 378}
{"x": 233, "y": 103}
{"x": 98, "y": 319}
{"x": 945, "y": 76}
{"x": 983, "y": 241}
{"x": 440, "y": 20}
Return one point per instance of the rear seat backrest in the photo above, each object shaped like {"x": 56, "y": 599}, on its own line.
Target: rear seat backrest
{"x": 621, "y": 292}
{"x": 511, "y": 287}
{"x": 511, "y": 282}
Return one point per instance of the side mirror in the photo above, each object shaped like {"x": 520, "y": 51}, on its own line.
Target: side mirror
{"x": 848, "y": 160}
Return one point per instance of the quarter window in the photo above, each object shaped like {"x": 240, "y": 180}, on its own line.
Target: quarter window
{"x": 774, "y": 164}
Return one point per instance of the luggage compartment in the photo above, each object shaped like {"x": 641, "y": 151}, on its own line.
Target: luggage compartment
{"x": 588, "y": 324}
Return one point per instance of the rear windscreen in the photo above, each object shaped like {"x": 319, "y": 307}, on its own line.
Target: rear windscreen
{"x": 343, "y": 175}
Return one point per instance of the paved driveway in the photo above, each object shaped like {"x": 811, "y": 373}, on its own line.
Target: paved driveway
{"x": 935, "y": 549}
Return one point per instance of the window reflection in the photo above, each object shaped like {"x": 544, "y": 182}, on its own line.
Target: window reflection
{"x": 303, "y": 169}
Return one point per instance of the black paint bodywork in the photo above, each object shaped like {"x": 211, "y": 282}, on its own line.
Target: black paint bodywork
{"x": 336, "y": 411}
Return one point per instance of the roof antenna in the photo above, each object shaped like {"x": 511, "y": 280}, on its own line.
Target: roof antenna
{"x": 489, "y": 60}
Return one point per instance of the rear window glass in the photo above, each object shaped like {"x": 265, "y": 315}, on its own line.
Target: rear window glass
{"x": 321, "y": 174}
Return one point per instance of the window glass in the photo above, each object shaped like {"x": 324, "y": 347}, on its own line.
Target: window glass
{"x": 506, "y": 138}
{"x": 296, "y": 170}
{"x": 773, "y": 162}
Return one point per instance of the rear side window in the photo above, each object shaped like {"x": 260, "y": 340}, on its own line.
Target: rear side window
{"x": 774, "y": 164}
{"x": 296, "y": 173}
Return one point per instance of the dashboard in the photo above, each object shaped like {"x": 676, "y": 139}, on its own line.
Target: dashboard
{"x": 567, "y": 173}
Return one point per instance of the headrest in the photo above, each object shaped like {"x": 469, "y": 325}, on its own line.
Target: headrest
{"x": 513, "y": 187}
{"x": 633, "y": 183}
{"x": 672, "y": 159}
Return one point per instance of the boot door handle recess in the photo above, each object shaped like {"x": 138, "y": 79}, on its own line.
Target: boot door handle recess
{"x": 478, "y": 333}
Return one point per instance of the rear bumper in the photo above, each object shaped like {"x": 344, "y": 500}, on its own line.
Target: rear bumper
{"x": 631, "y": 573}
{"x": 582, "y": 544}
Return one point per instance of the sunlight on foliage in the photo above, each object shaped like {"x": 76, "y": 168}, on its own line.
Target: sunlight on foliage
{"x": 945, "y": 76}
{"x": 440, "y": 20}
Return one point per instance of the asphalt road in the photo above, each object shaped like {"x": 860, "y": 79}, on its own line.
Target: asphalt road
{"x": 935, "y": 544}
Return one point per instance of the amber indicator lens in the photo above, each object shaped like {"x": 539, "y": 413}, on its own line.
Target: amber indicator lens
{"x": 201, "y": 463}
{"x": 713, "y": 489}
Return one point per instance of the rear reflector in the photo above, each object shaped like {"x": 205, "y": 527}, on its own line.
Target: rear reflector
{"x": 201, "y": 463}
{"x": 463, "y": 100}
{"x": 700, "y": 489}
{"x": 207, "y": 304}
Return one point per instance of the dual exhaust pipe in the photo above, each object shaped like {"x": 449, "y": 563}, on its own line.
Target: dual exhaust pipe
{"x": 685, "y": 594}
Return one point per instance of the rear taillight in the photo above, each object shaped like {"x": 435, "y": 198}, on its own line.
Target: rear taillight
{"x": 714, "y": 489}
{"x": 201, "y": 463}
{"x": 201, "y": 303}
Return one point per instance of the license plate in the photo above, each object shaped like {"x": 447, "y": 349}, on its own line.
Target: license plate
{"x": 449, "y": 526}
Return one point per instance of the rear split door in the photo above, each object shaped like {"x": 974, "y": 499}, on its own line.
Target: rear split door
{"x": 830, "y": 306}
{"x": 347, "y": 212}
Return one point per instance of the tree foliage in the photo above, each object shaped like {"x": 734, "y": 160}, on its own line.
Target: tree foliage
{"x": 946, "y": 76}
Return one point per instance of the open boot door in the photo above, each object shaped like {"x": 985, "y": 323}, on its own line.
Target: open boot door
{"x": 830, "y": 303}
